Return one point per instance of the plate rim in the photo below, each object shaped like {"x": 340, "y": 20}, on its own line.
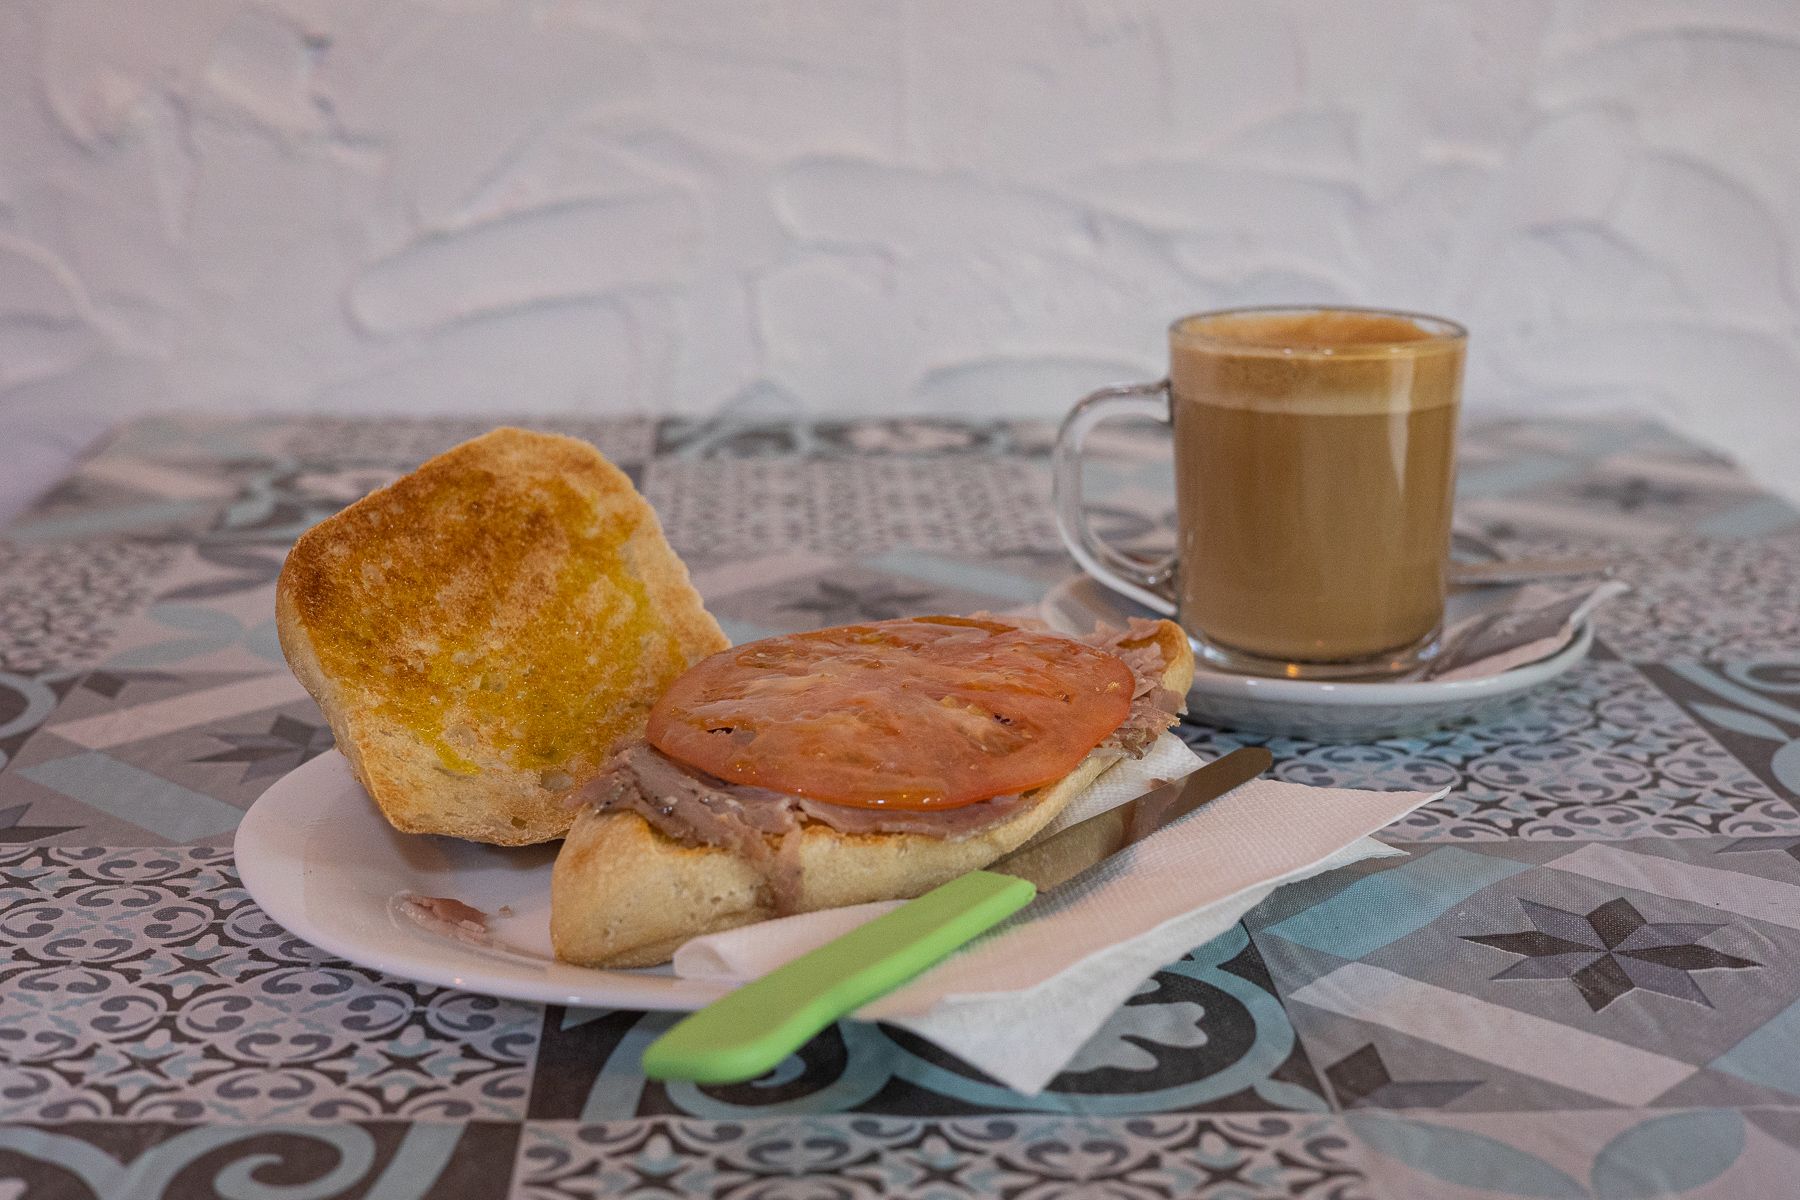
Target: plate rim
{"x": 268, "y": 852}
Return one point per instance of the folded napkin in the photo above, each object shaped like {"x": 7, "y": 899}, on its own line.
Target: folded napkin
{"x": 1020, "y": 1002}
{"x": 1498, "y": 629}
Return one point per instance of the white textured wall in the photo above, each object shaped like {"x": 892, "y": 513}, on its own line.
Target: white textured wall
{"x": 974, "y": 206}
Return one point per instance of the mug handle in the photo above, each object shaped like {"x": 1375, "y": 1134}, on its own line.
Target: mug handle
{"x": 1150, "y": 583}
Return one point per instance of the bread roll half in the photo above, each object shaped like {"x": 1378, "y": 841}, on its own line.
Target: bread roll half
{"x": 483, "y": 631}
{"x": 623, "y": 894}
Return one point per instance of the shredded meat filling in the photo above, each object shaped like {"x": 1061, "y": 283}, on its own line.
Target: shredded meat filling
{"x": 448, "y": 916}
{"x": 764, "y": 827}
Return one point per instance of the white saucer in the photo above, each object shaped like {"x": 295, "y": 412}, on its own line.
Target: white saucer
{"x": 316, "y": 856}
{"x": 1324, "y": 712}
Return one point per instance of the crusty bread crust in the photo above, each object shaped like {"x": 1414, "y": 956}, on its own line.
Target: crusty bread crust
{"x": 624, "y": 895}
{"x": 480, "y": 633}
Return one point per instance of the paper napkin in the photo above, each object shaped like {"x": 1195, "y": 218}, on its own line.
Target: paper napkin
{"x": 1020, "y": 1002}
{"x": 1509, "y": 627}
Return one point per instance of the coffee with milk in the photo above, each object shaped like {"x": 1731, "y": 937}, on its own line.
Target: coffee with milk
{"x": 1314, "y": 464}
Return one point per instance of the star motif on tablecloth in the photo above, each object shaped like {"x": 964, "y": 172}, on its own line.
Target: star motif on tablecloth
{"x": 287, "y": 744}
{"x": 111, "y": 683}
{"x": 1362, "y": 1080}
{"x": 1611, "y": 951}
{"x": 13, "y": 830}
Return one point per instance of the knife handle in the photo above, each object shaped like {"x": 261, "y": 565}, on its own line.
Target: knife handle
{"x": 750, "y": 1030}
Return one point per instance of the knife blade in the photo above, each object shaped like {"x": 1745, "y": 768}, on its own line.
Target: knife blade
{"x": 750, "y": 1030}
{"x": 1053, "y": 861}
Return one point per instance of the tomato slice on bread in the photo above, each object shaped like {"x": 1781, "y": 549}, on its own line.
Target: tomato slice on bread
{"x": 918, "y": 713}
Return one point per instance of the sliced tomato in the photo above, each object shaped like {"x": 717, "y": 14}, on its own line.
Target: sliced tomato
{"x": 921, "y": 713}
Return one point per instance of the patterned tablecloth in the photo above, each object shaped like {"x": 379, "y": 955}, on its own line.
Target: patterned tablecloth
{"x": 1583, "y": 981}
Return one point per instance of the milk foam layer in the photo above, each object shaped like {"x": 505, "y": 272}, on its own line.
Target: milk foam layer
{"x": 1316, "y": 362}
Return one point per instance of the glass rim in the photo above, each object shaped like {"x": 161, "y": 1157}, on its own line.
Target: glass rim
{"x": 1442, "y": 333}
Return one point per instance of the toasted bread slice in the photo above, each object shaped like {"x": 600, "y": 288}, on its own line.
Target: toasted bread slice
{"x": 481, "y": 632}
{"x": 624, "y": 895}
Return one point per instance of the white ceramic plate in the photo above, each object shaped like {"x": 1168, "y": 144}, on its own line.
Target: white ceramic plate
{"x": 1326, "y": 712}
{"x": 318, "y": 857}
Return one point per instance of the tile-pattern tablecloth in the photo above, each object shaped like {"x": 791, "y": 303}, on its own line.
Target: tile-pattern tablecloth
{"x": 1584, "y": 980}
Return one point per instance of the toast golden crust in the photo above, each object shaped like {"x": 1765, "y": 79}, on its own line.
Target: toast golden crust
{"x": 624, "y": 895}
{"x": 482, "y": 631}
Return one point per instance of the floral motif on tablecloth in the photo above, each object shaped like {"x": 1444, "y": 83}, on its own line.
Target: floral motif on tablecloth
{"x": 401, "y": 443}
{"x": 1029, "y": 1158}
{"x": 145, "y": 1160}
{"x": 1598, "y": 753}
{"x": 1712, "y": 599}
{"x": 1753, "y": 708}
{"x": 734, "y": 509}
{"x": 60, "y": 603}
{"x": 144, "y": 984}
{"x": 737, "y": 437}
{"x": 274, "y": 501}
{"x": 1207, "y": 1031}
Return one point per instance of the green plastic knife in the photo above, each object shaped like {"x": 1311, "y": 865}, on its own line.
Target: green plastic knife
{"x": 747, "y": 1032}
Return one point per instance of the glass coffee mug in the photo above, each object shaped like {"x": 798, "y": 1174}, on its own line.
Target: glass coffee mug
{"x": 1315, "y": 458}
